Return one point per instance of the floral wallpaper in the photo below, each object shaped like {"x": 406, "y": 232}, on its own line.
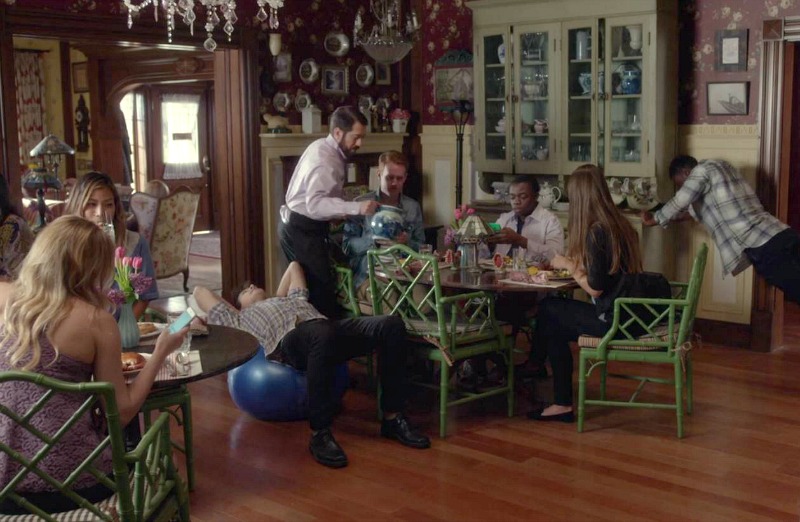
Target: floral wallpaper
{"x": 699, "y": 21}
{"x": 447, "y": 25}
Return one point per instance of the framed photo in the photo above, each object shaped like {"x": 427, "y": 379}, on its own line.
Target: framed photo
{"x": 334, "y": 79}
{"x": 283, "y": 68}
{"x": 728, "y": 98}
{"x": 80, "y": 77}
{"x": 452, "y": 79}
{"x": 731, "y": 51}
{"x": 383, "y": 74}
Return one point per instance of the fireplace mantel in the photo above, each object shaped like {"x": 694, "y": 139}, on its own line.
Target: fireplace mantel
{"x": 273, "y": 146}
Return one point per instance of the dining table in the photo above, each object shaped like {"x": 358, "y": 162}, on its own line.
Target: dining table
{"x": 222, "y": 349}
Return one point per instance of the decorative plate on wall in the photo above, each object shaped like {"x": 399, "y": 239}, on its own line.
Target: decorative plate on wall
{"x": 364, "y": 75}
{"x": 365, "y": 103}
{"x": 282, "y": 101}
{"x": 309, "y": 70}
{"x": 302, "y": 101}
{"x": 336, "y": 43}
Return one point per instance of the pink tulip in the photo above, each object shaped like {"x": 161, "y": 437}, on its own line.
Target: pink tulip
{"x": 119, "y": 252}
{"x": 457, "y": 213}
{"x": 470, "y": 211}
{"x": 137, "y": 263}
{"x": 126, "y": 261}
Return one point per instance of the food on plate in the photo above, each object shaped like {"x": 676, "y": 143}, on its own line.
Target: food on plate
{"x": 132, "y": 361}
{"x": 448, "y": 256}
{"x": 519, "y": 276}
{"x": 146, "y": 328}
{"x": 533, "y": 270}
{"x": 497, "y": 260}
{"x": 561, "y": 273}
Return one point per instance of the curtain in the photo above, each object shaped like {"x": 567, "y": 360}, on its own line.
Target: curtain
{"x": 29, "y": 80}
{"x": 181, "y": 144}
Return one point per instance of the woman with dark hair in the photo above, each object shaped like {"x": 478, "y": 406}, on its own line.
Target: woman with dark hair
{"x": 16, "y": 237}
{"x": 602, "y": 248}
{"x": 96, "y": 198}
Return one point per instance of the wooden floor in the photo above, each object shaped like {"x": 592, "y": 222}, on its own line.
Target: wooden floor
{"x": 740, "y": 459}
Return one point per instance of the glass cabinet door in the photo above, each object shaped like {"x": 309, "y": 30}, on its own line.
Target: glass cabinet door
{"x": 536, "y": 75}
{"x": 627, "y": 94}
{"x": 494, "y": 120}
{"x": 580, "y": 93}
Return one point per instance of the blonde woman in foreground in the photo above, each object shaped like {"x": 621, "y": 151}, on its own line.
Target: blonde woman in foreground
{"x": 55, "y": 320}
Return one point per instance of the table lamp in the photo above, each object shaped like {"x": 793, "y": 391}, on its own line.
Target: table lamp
{"x": 471, "y": 232}
{"x": 46, "y": 175}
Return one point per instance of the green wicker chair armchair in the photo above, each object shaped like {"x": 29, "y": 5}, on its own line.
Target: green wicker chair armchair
{"x": 668, "y": 337}
{"x": 145, "y": 481}
{"x": 446, "y": 328}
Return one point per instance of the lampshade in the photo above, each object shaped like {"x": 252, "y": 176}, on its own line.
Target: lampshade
{"x": 473, "y": 230}
{"x": 51, "y": 145}
{"x": 40, "y": 178}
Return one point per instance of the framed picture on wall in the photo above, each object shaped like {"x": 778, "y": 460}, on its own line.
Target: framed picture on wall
{"x": 383, "y": 74}
{"x": 452, "y": 79}
{"x": 727, "y": 98}
{"x": 80, "y": 77}
{"x": 731, "y": 50}
{"x": 334, "y": 79}
{"x": 283, "y": 68}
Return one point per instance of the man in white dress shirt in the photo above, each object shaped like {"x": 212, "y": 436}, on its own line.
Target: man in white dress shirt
{"x": 537, "y": 230}
{"x": 314, "y": 198}
{"x": 528, "y": 225}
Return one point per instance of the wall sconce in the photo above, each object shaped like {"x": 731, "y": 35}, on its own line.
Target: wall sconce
{"x": 46, "y": 175}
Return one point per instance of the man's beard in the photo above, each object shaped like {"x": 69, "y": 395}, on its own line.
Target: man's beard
{"x": 348, "y": 153}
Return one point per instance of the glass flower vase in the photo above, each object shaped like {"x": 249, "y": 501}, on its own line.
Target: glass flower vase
{"x": 128, "y": 329}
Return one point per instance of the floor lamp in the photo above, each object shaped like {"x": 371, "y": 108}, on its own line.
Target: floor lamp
{"x": 460, "y": 114}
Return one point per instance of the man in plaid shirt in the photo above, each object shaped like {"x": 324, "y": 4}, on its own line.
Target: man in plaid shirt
{"x": 714, "y": 193}
{"x": 293, "y": 332}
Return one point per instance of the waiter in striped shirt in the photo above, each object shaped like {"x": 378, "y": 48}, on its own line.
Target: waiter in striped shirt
{"x": 314, "y": 197}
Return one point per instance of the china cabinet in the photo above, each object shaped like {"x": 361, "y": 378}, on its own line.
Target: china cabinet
{"x": 563, "y": 83}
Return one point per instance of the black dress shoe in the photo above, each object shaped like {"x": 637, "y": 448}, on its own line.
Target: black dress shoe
{"x": 326, "y": 451}
{"x": 560, "y": 417}
{"x": 523, "y": 371}
{"x": 399, "y": 430}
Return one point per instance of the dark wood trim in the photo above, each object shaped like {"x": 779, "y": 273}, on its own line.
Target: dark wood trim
{"x": 66, "y": 104}
{"x": 8, "y": 124}
{"x": 722, "y": 332}
{"x": 236, "y": 167}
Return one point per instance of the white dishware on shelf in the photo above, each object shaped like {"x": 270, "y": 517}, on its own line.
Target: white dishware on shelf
{"x": 548, "y": 194}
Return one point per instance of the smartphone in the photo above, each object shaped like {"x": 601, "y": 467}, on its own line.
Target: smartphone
{"x": 182, "y": 321}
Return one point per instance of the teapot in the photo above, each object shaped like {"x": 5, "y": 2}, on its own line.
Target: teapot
{"x": 642, "y": 196}
{"x": 615, "y": 188}
{"x": 548, "y": 195}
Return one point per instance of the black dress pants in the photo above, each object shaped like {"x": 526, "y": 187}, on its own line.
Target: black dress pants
{"x": 306, "y": 241}
{"x": 560, "y": 321}
{"x": 318, "y": 346}
{"x": 778, "y": 261}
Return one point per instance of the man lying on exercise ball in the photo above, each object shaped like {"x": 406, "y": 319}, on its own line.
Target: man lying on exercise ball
{"x": 293, "y": 332}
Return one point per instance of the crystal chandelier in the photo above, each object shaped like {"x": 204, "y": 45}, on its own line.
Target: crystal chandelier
{"x": 214, "y": 9}
{"x": 387, "y": 42}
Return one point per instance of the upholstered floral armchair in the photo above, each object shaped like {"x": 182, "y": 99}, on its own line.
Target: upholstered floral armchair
{"x": 168, "y": 224}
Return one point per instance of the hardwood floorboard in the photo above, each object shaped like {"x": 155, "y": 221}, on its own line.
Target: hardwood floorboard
{"x": 740, "y": 459}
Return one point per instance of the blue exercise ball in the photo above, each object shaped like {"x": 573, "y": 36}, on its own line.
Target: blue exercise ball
{"x": 269, "y": 390}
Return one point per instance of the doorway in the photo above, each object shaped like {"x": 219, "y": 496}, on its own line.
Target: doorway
{"x": 170, "y": 141}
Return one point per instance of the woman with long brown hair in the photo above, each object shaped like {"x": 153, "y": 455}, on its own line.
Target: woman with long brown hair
{"x": 602, "y": 248}
{"x": 95, "y": 198}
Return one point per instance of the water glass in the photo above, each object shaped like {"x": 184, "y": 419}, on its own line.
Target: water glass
{"x": 108, "y": 229}
{"x": 426, "y": 249}
{"x": 182, "y": 353}
{"x": 519, "y": 259}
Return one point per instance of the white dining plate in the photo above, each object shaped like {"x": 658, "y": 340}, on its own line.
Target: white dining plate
{"x": 158, "y": 326}
{"x": 134, "y": 372}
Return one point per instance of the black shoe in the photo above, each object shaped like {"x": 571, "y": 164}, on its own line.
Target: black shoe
{"x": 399, "y": 430}
{"x": 326, "y": 451}
{"x": 560, "y": 417}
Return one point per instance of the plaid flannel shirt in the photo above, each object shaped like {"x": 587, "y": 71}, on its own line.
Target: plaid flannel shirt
{"x": 268, "y": 320}
{"x": 716, "y": 195}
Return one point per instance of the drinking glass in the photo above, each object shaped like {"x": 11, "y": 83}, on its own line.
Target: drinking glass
{"x": 426, "y": 249}
{"x": 182, "y": 353}
{"x": 519, "y": 259}
{"x": 108, "y": 227}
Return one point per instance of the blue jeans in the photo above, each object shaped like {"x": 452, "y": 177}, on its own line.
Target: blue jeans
{"x": 778, "y": 261}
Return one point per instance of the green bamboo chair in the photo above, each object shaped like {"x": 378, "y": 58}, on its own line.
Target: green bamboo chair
{"x": 668, "y": 325}
{"x": 145, "y": 480}
{"x": 177, "y": 402}
{"x": 446, "y": 328}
